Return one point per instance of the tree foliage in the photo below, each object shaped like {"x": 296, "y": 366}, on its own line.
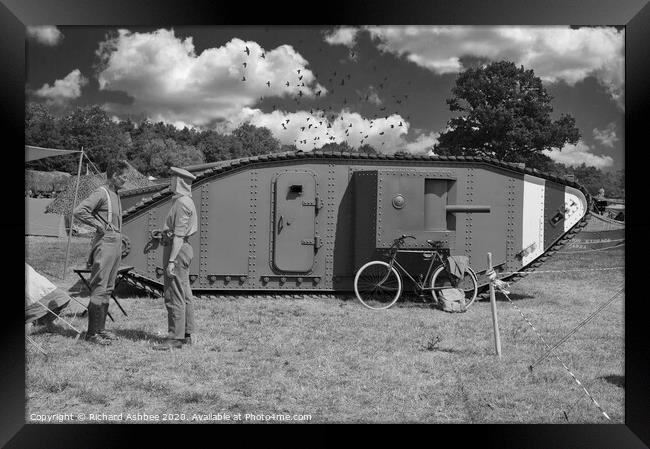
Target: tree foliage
{"x": 503, "y": 112}
{"x": 157, "y": 155}
{"x": 255, "y": 141}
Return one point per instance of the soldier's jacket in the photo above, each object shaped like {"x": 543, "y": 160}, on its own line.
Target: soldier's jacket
{"x": 97, "y": 204}
{"x": 182, "y": 219}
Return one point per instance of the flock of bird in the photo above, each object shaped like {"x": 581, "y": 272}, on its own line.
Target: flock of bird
{"x": 326, "y": 117}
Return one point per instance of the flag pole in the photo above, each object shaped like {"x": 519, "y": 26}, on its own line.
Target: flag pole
{"x": 74, "y": 204}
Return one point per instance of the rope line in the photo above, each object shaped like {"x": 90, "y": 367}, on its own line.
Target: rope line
{"x": 35, "y": 344}
{"x": 575, "y": 329}
{"x": 559, "y": 271}
{"x": 91, "y": 163}
{"x": 496, "y": 284}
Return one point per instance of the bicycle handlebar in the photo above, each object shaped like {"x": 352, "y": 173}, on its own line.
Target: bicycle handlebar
{"x": 399, "y": 240}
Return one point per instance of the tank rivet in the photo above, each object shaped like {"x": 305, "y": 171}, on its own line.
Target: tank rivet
{"x": 227, "y": 278}
{"x": 265, "y": 279}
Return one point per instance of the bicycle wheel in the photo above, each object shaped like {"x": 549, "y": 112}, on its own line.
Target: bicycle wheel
{"x": 441, "y": 279}
{"x": 377, "y": 285}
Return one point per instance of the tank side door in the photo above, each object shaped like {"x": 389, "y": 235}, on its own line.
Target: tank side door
{"x": 294, "y": 222}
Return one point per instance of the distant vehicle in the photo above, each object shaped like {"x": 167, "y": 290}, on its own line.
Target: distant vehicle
{"x": 307, "y": 221}
{"x": 605, "y": 227}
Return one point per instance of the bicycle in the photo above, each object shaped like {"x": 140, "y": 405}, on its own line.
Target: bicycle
{"x": 378, "y": 284}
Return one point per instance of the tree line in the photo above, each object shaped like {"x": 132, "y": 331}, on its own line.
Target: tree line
{"x": 498, "y": 110}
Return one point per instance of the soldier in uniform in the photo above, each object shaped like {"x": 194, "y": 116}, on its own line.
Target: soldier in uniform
{"x": 180, "y": 224}
{"x": 103, "y": 211}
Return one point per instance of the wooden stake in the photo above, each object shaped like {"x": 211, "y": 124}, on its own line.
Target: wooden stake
{"x": 493, "y": 306}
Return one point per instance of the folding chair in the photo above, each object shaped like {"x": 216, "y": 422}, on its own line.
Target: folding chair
{"x": 121, "y": 272}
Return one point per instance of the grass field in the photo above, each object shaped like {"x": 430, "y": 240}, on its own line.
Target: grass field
{"x": 336, "y": 361}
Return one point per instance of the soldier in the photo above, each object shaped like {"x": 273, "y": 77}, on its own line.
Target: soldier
{"x": 103, "y": 211}
{"x": 180, "y": 224}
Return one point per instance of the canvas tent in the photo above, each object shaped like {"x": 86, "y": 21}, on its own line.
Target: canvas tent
{"x": 38, "y": 222}
{"x": 42, "y": 297}
{"x": 43, "y": 300}
{"x": 33, "y": 153}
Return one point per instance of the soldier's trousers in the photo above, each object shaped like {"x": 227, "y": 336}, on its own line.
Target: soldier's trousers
{"x": 105, "y": 257}
{"x": 178, "y": 294}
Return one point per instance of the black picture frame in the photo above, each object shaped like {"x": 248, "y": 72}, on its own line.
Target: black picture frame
{"x": 633, "y": 14}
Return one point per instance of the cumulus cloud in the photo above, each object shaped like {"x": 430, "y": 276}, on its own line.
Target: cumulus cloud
{"x": 384, "y": 134}
{"x": 606, "y": 136}
{"x": 422, "y": 144}
{"x": 555, "y": 53}
{"x": 169, "y": 81}
{"x": 342, "y": 36}
{"x": 45, "y": 34}
{"x": 65, "y": 89}
{"x": 578, "y": 154}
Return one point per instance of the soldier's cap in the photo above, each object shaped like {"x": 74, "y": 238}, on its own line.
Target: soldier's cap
{"x": 182, "y": 173}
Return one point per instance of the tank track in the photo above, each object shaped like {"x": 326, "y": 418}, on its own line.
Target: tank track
{"x": 154, "y": 289}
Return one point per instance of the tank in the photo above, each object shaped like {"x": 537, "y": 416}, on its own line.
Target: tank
{"x": 306, "y": 221}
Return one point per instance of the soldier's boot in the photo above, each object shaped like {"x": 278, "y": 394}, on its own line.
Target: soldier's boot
{"x": 94, "y": 323}
{"x": 187, "y": 340}
{"x": 108, "y": 335}
{"x": 168, "y": 344}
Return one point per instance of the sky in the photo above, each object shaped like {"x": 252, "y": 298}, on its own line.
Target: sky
{"x": 381, "y": 85}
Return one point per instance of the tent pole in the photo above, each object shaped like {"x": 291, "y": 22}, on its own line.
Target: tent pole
{"x": 74, "y": 204}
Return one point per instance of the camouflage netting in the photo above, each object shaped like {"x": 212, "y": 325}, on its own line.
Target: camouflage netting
{"x": 63, "y": 203}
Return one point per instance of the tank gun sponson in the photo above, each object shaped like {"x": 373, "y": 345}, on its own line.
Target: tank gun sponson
{"x": 305, "y": 222}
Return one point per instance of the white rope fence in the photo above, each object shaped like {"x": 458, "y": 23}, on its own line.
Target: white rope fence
{"x": 501, "y": 287}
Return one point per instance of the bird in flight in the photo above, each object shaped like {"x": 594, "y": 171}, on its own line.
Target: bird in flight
{"x": 243, "y": 78}
{"x": 244, "y": 64}
{"x": 287, "y": 83}
{"x": 268, "y": 83}
{"x": 248, "y": 52}
{"x": 263, "y": 56}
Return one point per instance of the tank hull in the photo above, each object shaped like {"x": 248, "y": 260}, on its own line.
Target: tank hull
{"x": 308, "y": 221}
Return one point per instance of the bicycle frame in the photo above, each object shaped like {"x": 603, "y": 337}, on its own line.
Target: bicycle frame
{"x": 420, "y": 286}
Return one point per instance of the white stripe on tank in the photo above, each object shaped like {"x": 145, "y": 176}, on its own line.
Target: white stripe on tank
{"x": 533, "y": 223}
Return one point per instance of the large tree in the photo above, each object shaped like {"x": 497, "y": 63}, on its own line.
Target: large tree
{"x": 504, "y": 112}
{"x": 41, "y": 130}
{"x": 256, "y": 140}
{"x": 154, "y": 157}
{"x": 218, "y": 147}
{"x": 91, "y": 128}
